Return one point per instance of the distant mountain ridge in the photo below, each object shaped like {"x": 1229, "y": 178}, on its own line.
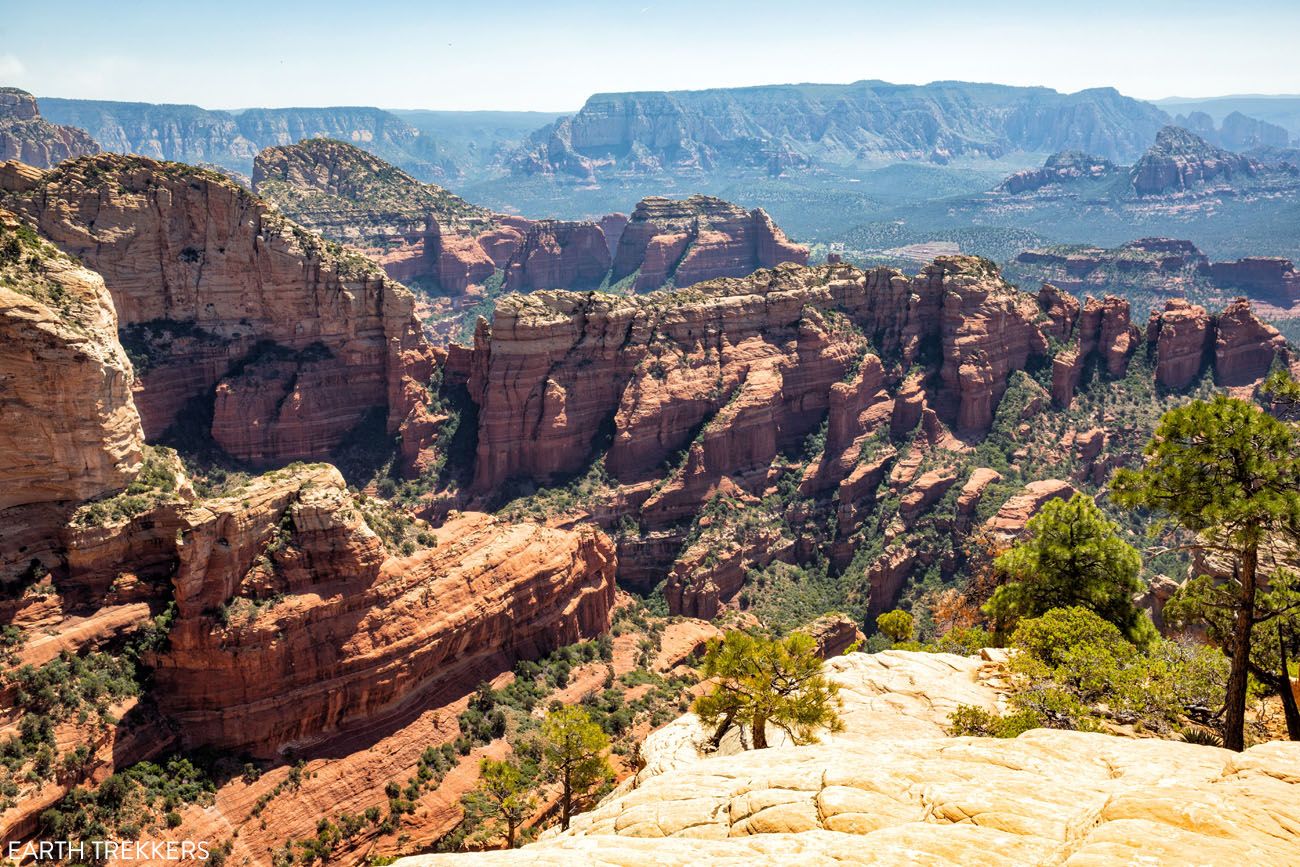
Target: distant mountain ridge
{"x": 778, "y": 127}
{"x": 190, "y": 134}
{"x": 1279, "y": 110}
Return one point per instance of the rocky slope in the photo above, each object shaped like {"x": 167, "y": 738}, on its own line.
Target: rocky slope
{"x": 30, "y": 138}
{"x": 891, "y": 789}
{"x": 290, "y": 341}
{"x": 775, "y": 128}
{"x": 329, "y": 186}
{"x": 416, "y": 231}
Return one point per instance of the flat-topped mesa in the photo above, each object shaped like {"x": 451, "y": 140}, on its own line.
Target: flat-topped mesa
{"x": 1270, "y": 279}
{"x": 27, "y": 137}
{"x": 1166, "y": 267}
{"x": 294, "y": 625}
{"x": 780, "y": 127}
{"x": 220, "y": 298}
{"x": 1181, "y": 160}
{"x": 701, "y": 238}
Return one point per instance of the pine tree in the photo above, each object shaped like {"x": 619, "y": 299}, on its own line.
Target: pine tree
{"x": 1072, "y": 557}
{"x": 1226, "y": 471}
{"x": 760, "y": 681}
{"x": 502, "y": 796}
{"x": 574, "y": 752}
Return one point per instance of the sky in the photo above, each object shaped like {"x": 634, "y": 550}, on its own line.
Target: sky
{"x": 550, "y": 55}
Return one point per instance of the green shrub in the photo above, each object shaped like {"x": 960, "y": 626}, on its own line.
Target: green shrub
{"x": 896, "y": 624}
{"x": 969, "y": 720}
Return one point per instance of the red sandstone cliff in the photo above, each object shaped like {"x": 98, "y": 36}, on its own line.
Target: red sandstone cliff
{"x": 350, "y": 635}
{"x": 703, "y": 393}
{"x": 222, "y": 299}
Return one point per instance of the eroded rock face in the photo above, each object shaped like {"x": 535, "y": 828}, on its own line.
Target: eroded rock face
{"x": 221, "y": 298}
{"x": 891, "y": 789}
{"x": 556, "y": 368}
{"x": 323, "y": 631}
{"x": 988, "y": 330}
{"x": 27, "y": 137}
{"x": 1182, "y": 333}
{"x": 1245, "y": 349}
{"x": 71, "y": 431}
{"x": 692, "y": 395}
{"x": 1010, "y": 520}
{"x": 697, "y": 239}
{"x": 556, "y": 254}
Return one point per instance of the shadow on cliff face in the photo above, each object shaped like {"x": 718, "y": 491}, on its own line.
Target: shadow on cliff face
{"x": 450, "y": 694}
{"x": 366, "y": 450}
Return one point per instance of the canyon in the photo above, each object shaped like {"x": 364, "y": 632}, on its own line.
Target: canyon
{"x": 234, "y": 461}
{"x": 715, "y": 395}
{"x": 106, "y": 538}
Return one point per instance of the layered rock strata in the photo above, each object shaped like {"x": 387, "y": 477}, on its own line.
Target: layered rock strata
{"x": 294, "y": 625}
{"x": 697, "y": 239}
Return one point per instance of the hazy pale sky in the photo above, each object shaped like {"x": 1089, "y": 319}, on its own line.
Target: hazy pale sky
{"x": 552, "y": 54}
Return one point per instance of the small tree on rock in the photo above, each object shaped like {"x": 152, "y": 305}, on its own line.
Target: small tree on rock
{"x": 759, "y": 681}
{"x": 501, "y": 801}
{"x": 574, "y": 753}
